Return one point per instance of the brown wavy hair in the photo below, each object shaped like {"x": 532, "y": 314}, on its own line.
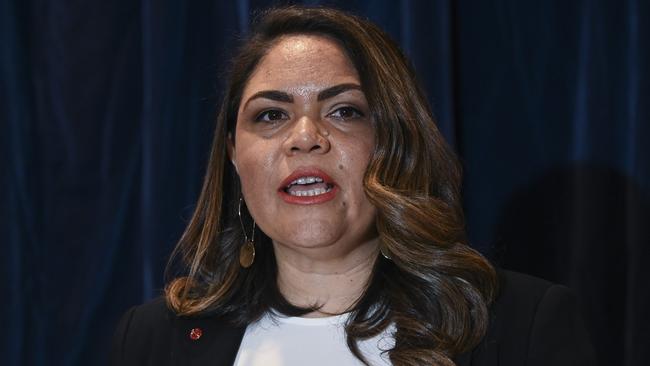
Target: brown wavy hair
{"x": 435, "y": 289}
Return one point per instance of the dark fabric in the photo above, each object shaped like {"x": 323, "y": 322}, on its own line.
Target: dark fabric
{"x": 151, "y": 335}
{"x": 533, "y": 322}
{"x": 106, "y": 112}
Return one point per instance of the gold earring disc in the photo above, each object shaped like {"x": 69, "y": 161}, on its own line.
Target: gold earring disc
{"x": 247, "y": 254}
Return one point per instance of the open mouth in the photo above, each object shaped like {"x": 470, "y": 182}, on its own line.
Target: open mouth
{"x": 308, "y": 186}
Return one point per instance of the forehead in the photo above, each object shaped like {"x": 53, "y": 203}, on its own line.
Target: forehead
{"x": 300, "y": 63}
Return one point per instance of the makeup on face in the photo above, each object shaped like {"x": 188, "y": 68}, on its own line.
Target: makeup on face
{"x": 281, "y": 96}
{"x": 308, "y": 186}
{"x": 304, "y": 139}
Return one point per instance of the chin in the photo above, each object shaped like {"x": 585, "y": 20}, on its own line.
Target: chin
{"x": 312, "y": 234}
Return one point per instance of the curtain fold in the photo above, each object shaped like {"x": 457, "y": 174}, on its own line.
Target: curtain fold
{"x": 107, "y": 112}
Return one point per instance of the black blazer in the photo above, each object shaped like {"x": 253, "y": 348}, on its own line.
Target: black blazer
{"x": 533, "y": 322}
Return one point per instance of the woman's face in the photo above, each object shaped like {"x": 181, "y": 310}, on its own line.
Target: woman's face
{"x": 302, "y": 143}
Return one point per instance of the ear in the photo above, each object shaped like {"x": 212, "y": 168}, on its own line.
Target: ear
{"x": 230, "y": 149}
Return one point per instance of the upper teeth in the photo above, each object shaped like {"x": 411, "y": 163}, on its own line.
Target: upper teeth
{"x": 306, "y": 180}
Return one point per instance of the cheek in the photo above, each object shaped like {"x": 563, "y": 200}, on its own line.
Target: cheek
{"x": 353, "y": 161}
{"x": 355, "y": 157}
{"x": 255, "y": 165}
{"x": 250, "y": 176}
{"x": 254, "y": 179}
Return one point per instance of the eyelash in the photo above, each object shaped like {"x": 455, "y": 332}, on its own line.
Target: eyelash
{"x": 357, "y": 113}
{"x": 261, "y": 117}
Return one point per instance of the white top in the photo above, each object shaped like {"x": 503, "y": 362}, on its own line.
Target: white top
{"x": 291, "y": 341}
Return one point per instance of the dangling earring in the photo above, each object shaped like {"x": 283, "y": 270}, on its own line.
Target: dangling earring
{"x": 247, "y": 251}
{"x": 383, "y": 252}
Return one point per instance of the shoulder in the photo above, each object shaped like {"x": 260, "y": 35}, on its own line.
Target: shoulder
{"x": 142, "y": 328}
{"x": 522, "y": 299}
{"x": 148, "y": 316}
{"x": 153, "y": 334}
{"x": 522, "y": 293}
{"x": 536, "y": 322}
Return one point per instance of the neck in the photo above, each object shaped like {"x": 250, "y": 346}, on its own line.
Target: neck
{"x": 335, "y": 284}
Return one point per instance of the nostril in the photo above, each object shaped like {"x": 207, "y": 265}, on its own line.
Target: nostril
{"x": 306, "y": 141}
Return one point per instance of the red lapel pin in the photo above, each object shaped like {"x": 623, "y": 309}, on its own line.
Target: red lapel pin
{"x": 195, "y": 333}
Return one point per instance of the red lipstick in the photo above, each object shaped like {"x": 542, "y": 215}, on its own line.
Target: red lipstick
{"x": 332, "y": 187}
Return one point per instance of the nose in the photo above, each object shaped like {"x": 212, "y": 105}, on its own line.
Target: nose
{"x": 305, "y": 137}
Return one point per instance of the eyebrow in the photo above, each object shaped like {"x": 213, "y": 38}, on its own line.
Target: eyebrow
{"x": 276, "y": 95}
{"x": 284, "y": 97}
{"x": 336, "y": 90}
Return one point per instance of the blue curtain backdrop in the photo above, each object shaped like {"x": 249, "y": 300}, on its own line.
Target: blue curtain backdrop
{"x": 107, "y": 110}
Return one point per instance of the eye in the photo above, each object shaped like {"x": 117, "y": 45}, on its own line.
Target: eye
{"x": 346, "y": 113}
{"x": 271, "y": 115}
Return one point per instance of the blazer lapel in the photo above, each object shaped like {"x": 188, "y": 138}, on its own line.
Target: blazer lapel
{"x": 205, "y": 341}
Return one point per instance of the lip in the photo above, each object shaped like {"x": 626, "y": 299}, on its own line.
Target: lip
{"x": 308, "y": 200}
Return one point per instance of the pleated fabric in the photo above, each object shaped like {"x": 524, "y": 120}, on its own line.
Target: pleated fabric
{"x": 107, "y": 111}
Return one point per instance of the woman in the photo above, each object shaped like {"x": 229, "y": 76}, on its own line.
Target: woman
{"x": 329, "y": 230}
